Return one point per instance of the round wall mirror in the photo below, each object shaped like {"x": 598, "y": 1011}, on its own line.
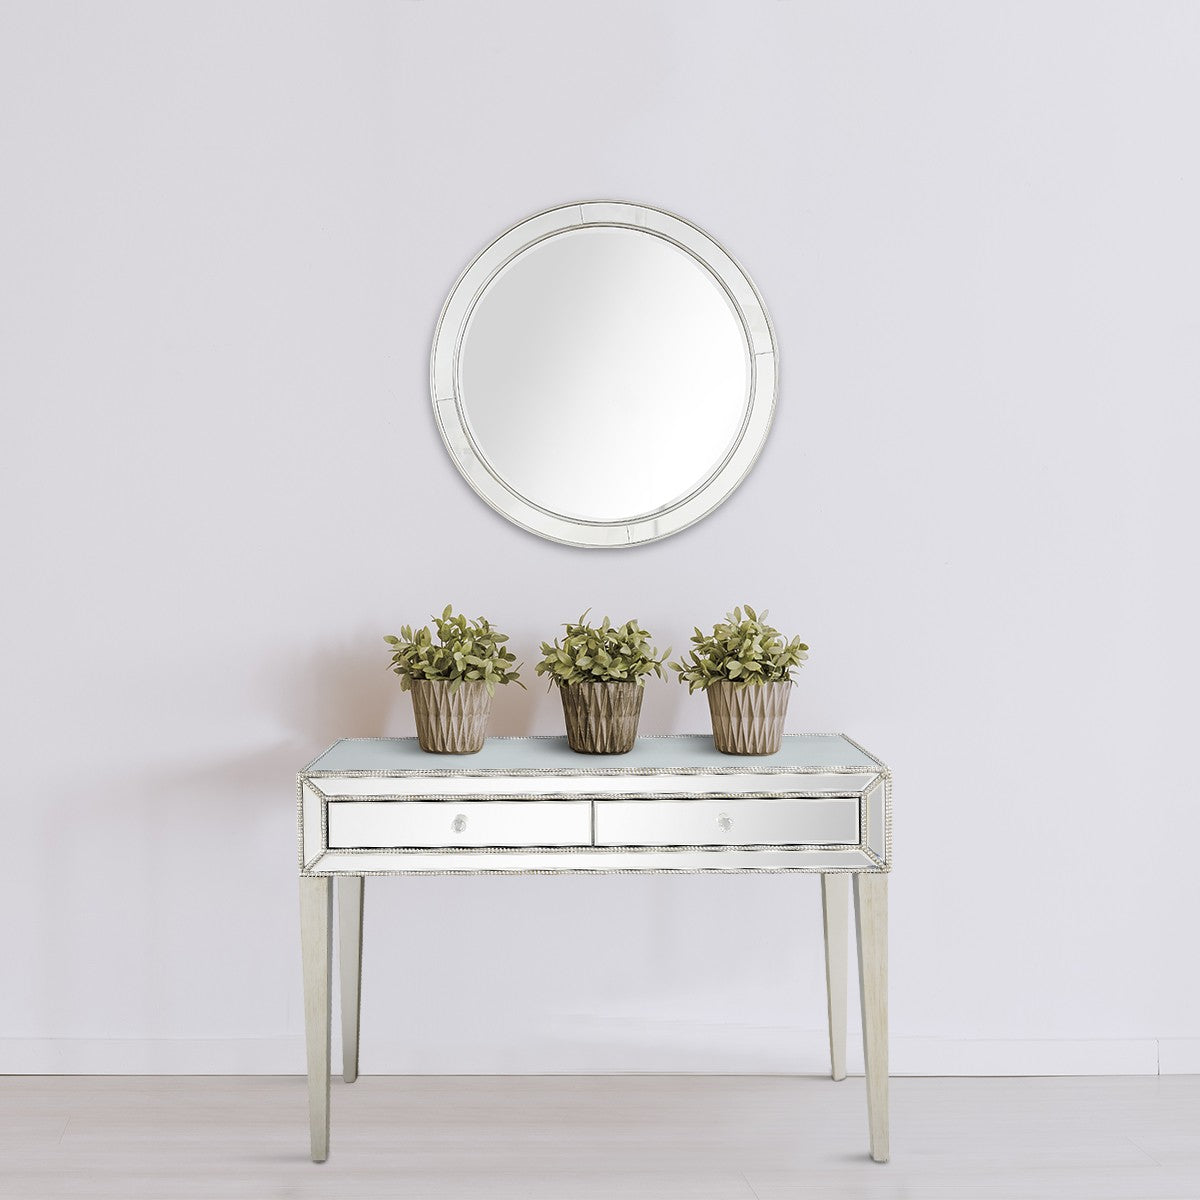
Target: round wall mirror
{"x": 603, "y": 374}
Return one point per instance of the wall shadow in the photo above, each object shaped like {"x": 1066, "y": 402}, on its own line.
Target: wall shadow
{"x": 341, "y": 688}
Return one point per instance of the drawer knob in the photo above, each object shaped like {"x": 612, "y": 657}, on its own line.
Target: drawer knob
{"x": 725, "y": 822}
{"x": 459, "y": 823}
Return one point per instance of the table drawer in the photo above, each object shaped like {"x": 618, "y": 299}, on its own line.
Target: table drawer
{"x": 427, "y": 824}
{"x": 784, "y": 821}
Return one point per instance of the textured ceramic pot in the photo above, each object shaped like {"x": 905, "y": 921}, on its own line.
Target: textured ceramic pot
{"x": 747, "y": 718}
{"x": 602, "y": 718}
{"x": 451, "y": 722}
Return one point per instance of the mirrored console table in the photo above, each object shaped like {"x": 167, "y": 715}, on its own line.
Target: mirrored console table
{"x": 530, "y": 806}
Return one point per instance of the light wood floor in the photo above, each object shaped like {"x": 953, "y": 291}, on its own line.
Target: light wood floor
{"x": 599, "y": 1138}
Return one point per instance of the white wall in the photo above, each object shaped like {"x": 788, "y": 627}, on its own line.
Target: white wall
{"x": 225, "y": 233}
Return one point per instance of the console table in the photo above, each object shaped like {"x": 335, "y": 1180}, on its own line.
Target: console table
{"x": 530, "y": 806}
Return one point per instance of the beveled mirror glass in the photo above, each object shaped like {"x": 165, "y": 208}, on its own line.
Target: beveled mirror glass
{"x": 603, "y": 374}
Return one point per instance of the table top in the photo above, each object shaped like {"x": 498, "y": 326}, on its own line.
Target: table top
{"x": 667, "y": 753}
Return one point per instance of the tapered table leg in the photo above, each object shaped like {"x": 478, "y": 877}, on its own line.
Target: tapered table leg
{"x": 316, "y": 938}
{"x": 870, "y": 919}
{"x": 350, "y": 919}
{"x": 835, "y": 908}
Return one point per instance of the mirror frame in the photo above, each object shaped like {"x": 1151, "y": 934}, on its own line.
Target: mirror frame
{"x": 709, "y": 491}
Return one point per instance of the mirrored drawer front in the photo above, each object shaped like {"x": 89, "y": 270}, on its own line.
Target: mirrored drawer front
{"x": 425, "y": 824}
{"x": 828, "y": 821}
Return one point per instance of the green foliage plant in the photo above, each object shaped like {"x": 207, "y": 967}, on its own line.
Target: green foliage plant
{"x": 742, "y": 649}
{"x": 463, "y": 652}
{"x": 604, "y": 653}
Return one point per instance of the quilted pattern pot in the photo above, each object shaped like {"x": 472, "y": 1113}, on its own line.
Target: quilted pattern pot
{"x": 747, "y": 718}
{"x": 602, "y": 718}
{"x": 451, "y": 722}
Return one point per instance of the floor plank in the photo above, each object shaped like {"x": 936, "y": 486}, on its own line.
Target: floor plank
{"x": 598, "y": 1138}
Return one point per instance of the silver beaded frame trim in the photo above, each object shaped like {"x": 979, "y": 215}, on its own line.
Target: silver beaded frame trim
{"x": 534, "y": 797}
{"x": 592, "y": 848}
{"x": 339, "y": 872}
{"x": 867, "y": 865}
{"x": 868, "y": 842}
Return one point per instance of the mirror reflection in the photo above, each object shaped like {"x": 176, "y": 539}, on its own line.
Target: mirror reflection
{"x": 604, "y": 374}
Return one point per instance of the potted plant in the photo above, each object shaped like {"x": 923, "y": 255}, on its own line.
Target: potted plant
{"x": 600, "y": 672}
{"x": 746, "y": 668}
{"x": 452, "y": 679}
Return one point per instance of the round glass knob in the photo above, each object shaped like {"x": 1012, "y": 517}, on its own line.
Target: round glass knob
{"x": 725, "y": 823}
{"x": 459, "y": 823}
